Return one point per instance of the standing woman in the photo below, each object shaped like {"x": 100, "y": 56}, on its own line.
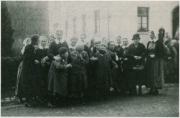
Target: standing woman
{"x": 18, "y": 89}
{"x": 137, "y": 52}
{"x": 29, "y": 73}
{"x": 155, "y": 64}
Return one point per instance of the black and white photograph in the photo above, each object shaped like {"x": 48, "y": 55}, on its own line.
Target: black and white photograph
{"x": 89, "y": 58}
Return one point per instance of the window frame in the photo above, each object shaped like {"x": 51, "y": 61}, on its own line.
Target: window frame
{"x": 141, "y": 16}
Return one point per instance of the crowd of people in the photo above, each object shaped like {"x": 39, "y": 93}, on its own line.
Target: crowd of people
{"x": 60, "y": 73}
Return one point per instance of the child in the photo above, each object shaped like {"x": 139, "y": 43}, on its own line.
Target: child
{"x": 78, "y": 82}
{"x": 58, "y": 77}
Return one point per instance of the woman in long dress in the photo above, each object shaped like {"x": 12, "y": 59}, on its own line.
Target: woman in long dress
{"x": 155, "y": 64}
{"x": 18, "y": 88}
{"x": 30, "y": 79}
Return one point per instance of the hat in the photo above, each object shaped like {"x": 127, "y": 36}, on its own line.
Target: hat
{"x": 62, "y": 50}
{"x": 102, "y": 43}
{"x": 135, "y": 36}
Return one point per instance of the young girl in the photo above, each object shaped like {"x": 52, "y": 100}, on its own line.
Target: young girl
{"x": 58, "y": 78}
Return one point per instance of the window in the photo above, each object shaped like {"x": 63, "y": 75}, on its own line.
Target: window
{"x": 97, "y": 21}
{"x": 84, "y": 23}
{"x": 74, "y": 25}
{"x": 66, "y": 27}
{"x": 143, "y": 19}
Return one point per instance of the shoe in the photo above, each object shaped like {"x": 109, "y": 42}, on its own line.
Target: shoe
{"x": 150, "y": 92}
{"x": 49, "y": 105}
{"x": 27, "y": 104}
{"x": 156, "y": 92}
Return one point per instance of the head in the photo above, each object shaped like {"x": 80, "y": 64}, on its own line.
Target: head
{"x": 105, "y": 41}
{"x": 83, "y": 37}
{"x": 27, "y": 41}
{"x": 167, "y": 35}
{"x": 118, "y": 39}
{"x": 96, "y": 44}
{"x": 43, "y": 41}
{"x": 58, "y": 34}
{"x": 92, "y": 42}
{"x": 136, "y": 39}
{"x": 34, "y": 39}
{"x": 63, "y": 51}
{"x": 51, "y": 38}
{"x": 79, "y": 48}
{"x": 125, "y": 41}
{"x": 102, "y": 48}
{"x": 74, "y": 41}
{"x": 152, "y": 35}
{"x": 111, "y": 45}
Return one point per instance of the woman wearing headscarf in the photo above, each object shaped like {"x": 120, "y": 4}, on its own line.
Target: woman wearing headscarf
{"x": 155, "y": 63}
{"x": 78, "y": 80}
{"x": 136, "y": 53}
{"x": 30, "y": 79}
{"x": 18, "y": 88}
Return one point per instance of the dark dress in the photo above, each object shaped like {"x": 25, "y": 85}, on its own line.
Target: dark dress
{"x": 137, "y": 66}
{"x": 58, "y": 78}
{"x": 78, "y": 80}
{"x": 30, "y": 80}
{"x": 155, "y": 66}
{"x": 43, "y": 70}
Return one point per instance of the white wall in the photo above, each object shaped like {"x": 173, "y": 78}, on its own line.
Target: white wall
{"x": 123, "y": 17}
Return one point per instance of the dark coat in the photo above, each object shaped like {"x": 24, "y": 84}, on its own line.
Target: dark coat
{"x": 102, "y": 78}
{"x": 118, "y": 50}
{"x": 78, "y": 80}
{"x": 58, "y": 78}
{"x": 30, "y": 80}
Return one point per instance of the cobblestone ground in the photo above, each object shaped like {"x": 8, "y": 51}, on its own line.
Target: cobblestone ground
{"x": 165, "y": 104}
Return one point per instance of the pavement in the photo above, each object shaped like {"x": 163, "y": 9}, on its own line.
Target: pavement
{"x": 166, "y": 104}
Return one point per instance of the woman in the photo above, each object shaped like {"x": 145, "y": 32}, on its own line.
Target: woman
{"x": 78, "y": 81}
{"x": 124, "y": 66}
{"x": 29, "y": 74}
{"x": 58, "y": 78}
{"x": 102, "y": 80}
{"x": 73, "y": 41}
{"x": 114, "y": 72}
{"x": 137, "y": 52}
{"x": 18, "y": 89}
{"x": 43, "y": 66}
{"x": 155, "y": 64}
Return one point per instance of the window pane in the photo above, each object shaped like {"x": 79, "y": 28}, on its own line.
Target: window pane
{"x": 139, "y": 19}
{"x": 142, "y": 11}
{"x": 144, "y": 26}
{"x": 144, "y": 20}
{"x": 139, "y": 26}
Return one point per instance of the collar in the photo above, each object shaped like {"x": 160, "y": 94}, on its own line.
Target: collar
{"x": 154, "y": 40}
{"x": 57, "y": 41}
{"x": 40, "y": 47}
{"x": 72, "y": 47}
{"x": 124, "y": 46}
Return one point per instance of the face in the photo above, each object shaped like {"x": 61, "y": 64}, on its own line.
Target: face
{"x": 102, "y": 47}
{"x": 51, "y": 39}
{"x": 136, "y": 40}
{"x": 59, "y": 35}
{"x": 73, "y": 43}
{"x": 43, "y": 42}
{"x": 166, "y": 35}
{"x": 125, "y": 42}
{"x": 66, "y": 54}
{"x": 151, "y": 36}
{"x": 83, "y": 38}
{"x": 111, "y": 46}
{"x": 118, "y": 40}
{"x": 28, "y": 41}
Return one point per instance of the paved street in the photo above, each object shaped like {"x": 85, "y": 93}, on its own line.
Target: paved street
{"x": 165, "y": 104}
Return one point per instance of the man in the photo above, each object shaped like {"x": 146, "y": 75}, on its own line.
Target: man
{"x": 118, "y": 47}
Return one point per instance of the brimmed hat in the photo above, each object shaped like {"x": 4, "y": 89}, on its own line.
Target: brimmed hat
{"x": 135, "y": 36}
{"x": 62, "y": 50}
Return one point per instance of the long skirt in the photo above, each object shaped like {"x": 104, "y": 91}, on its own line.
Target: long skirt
{"x": 18, "y": 87}
{"x": 155, "y": 73}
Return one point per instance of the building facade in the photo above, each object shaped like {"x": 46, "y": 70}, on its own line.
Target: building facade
{"x": 28, "y": 17}
{"x": 110, "y": 19}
